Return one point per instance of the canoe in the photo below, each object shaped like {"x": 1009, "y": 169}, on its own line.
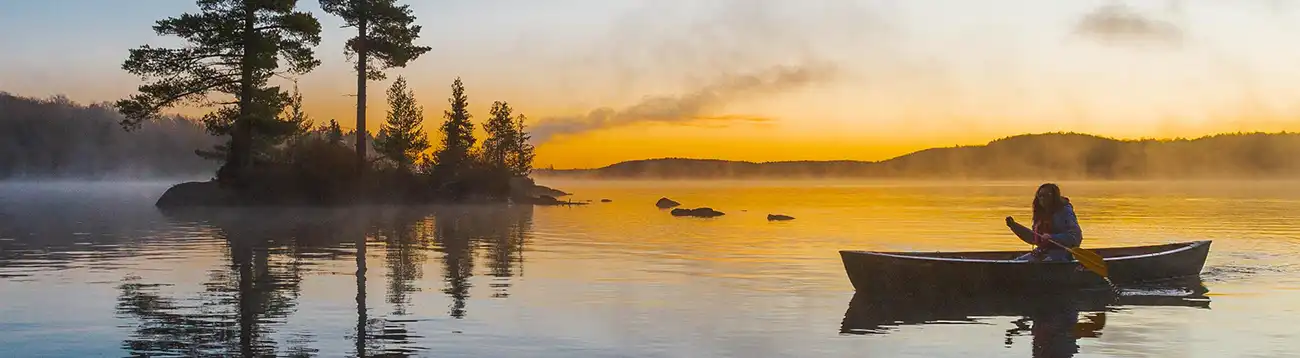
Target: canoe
{"x": 975, "y": 271}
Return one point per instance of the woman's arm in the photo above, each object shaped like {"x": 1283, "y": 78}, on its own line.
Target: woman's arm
{"x": 1024, "y": 233}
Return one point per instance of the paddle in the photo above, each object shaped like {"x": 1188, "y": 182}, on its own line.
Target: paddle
{"x": 1090, "y": 260}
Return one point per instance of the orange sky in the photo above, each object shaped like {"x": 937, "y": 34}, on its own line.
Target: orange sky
{"x": 889, "y": 79}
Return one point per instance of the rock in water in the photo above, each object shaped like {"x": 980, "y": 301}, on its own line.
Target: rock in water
{"x": 778, "y": 217}
{"x": 547, "y": 200}
{"x": 195, "y": 194}
{"x": 665, "y": 203}
{"x": 697, "y": 212}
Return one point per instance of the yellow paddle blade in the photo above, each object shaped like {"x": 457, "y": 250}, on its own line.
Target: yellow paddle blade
{"x": 1090, "y": 260}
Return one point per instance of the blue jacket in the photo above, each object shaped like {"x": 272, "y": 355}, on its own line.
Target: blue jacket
{"x": 1065, "y": 231}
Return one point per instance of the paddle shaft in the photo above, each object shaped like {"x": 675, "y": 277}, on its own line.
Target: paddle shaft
{"x": 1090, "y": 260}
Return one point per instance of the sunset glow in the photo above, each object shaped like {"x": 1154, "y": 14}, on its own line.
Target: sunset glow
{"x": 890, "y": 78}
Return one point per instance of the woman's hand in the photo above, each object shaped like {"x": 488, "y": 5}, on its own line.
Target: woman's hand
{"x": 1043, "y": 238}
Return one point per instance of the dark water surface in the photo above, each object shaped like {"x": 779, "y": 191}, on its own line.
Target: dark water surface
{"x": 89, "y": 270}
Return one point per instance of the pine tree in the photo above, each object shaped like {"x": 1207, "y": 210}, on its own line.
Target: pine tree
{"x": 458, "y": 133}
{"x": 385, "y": 38}
{"x": 232, "y": 47}
{"x": 333, "y": 132}
{"x": 522, "y": 153}
{"x": 500, "y": 129}
{"x": 402, "y": 138}
{"x": 297, "y": 122}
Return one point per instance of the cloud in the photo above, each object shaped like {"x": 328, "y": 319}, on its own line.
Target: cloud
{"x": 692, "y": 107}
{"x": 1121, "y": 25}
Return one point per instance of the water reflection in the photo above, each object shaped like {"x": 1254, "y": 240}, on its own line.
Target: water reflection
{"x": 1051, "y": 320}
{"x": 270, "y": 250}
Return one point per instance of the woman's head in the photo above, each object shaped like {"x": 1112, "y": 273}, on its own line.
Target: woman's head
{"x": 1047, "y": 200}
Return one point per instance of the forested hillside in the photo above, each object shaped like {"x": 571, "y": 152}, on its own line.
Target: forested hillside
{"x": 1036, "y": 156}
{"x": 57, "y": 138}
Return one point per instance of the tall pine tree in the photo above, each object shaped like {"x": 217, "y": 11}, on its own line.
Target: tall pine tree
{"x": 457, "y": 134}
{"x": 232, "y": 47}
{"x": 402, "y": 138}
{"x": 385, "y": 38}
{"x": 500, "y": 137}
{"x": 520, "y": 159}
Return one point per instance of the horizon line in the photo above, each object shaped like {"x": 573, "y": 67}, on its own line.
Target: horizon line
{"x": 1118, "y": 139}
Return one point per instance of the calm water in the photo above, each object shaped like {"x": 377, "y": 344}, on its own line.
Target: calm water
{"x": 96, "y": 270}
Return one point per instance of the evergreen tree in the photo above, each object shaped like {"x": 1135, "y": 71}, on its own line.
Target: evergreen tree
{"x": 385, "y": 38}
{"x": 402, "y": 138}
{"x": 458, "y": 133}
{"x": 520, "y": 160}
{"x": 232, "y": 47}
{"x": 333, "y": 132}
{"x": 501, "y": 137}
{"x": 298, "y": 123}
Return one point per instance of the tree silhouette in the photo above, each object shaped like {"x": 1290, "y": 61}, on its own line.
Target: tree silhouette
{"x": 333, "y": 132}
{"x": 385, "y": 38}
{"x": 458, "y": 134}
{"x": 520, "y": 160}
{"x": 501, "y": 135}
{"x": 402, "y": 138}
{"x": 233, "y": 47}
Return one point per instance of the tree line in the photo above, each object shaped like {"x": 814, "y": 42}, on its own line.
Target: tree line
{"x": 57, "y": 138}
{"x": 234, "y": 48}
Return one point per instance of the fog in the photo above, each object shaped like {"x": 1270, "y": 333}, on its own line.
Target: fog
{"x": 55, "y": 138}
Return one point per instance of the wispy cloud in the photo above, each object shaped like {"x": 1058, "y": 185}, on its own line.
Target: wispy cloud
{"x": 692, "y": 107}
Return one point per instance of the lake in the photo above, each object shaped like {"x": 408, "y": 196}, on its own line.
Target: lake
{"x": 95, "y": 270}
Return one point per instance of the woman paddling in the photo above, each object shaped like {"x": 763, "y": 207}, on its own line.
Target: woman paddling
{"x": 1054, "y": 223}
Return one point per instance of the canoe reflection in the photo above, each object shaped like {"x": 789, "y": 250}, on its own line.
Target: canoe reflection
{"x": 1052, "y": 319}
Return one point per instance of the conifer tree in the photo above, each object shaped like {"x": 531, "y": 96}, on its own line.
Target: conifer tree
{"x": 333, "y": 132}
{"x": 402, "y": 137}
{"x": 233, "y": 47}
{"x": 501, "y": 137}
{"x": 385, "y": 38}
{"x": 457, "y": 133}
{"x": 520, "y": 160}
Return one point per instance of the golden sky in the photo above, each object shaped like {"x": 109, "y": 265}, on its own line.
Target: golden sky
{"x": 765, "y": 80}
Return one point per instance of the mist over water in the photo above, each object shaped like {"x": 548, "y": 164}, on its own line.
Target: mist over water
{"x": 95, "y": 269}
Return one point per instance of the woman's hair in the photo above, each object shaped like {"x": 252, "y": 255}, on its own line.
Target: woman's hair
{"x": 1045, "y": 213}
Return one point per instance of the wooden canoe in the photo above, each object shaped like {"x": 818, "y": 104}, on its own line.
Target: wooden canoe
{"x": 995, "y": 270}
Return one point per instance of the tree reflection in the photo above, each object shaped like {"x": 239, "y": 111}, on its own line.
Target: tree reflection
{"x": 271, "y": 251}
{"x": 232, "y": 312}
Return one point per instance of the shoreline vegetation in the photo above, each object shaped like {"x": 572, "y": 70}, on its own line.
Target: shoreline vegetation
{"x": 275, "y": 155}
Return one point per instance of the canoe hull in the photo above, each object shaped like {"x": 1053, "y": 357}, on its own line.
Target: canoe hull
{"x": 983, "y": 271}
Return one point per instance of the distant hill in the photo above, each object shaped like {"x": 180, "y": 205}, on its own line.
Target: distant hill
{"x": 1062, "y": 156}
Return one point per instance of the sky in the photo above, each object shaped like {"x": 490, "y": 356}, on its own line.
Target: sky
{"x": 603, "y": 81}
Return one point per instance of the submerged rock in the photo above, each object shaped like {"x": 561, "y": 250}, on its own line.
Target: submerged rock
{"x": 697, "y": 212}
{"x": 778, "y": 217}
{"x": 665, "y": 203}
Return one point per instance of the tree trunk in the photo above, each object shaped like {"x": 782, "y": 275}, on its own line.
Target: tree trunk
{"x": 362, "y": 52}
{"x": 239, "y": 155}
